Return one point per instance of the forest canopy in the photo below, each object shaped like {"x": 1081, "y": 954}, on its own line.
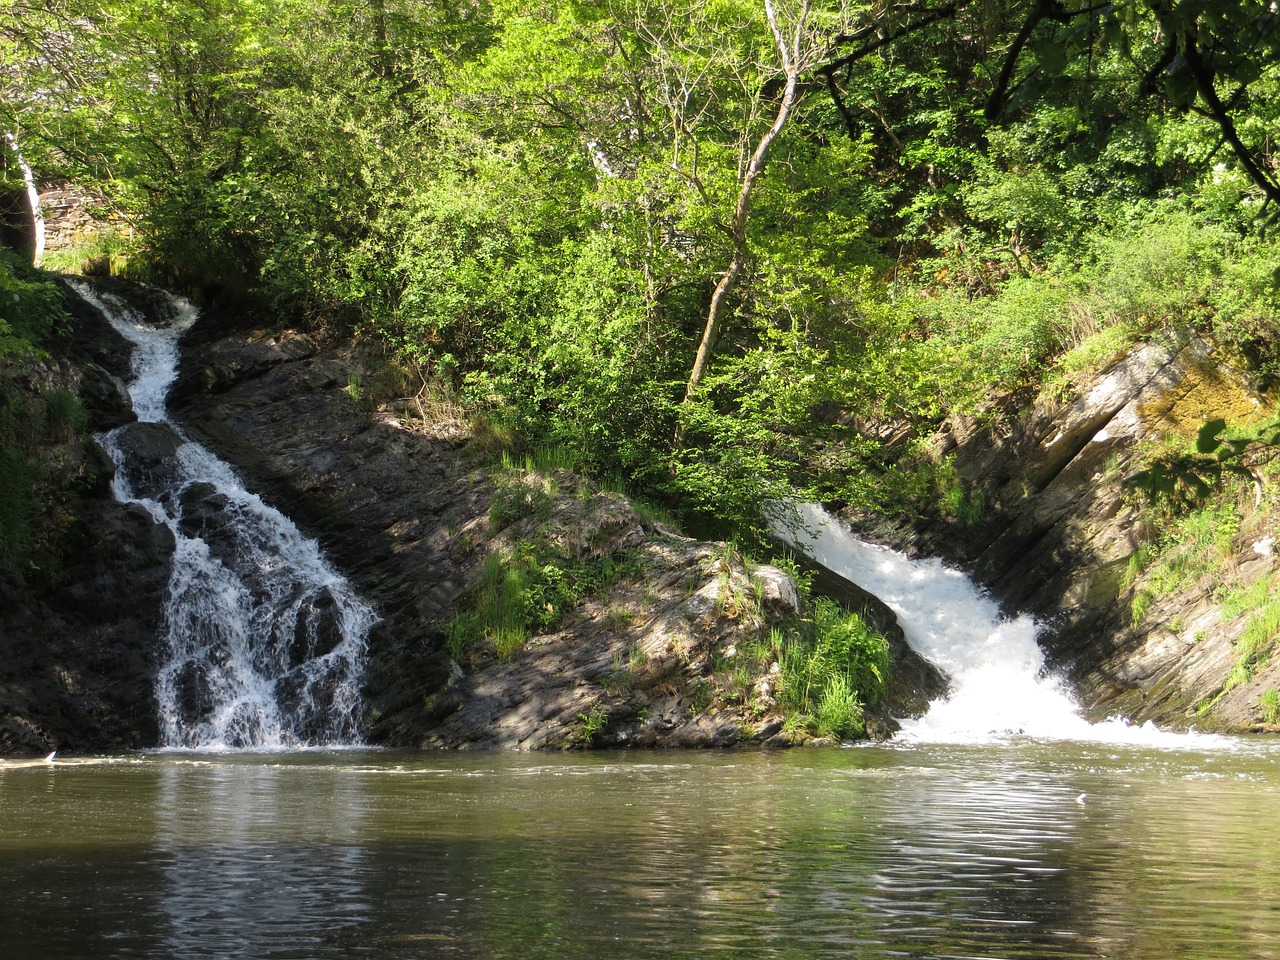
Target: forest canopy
{"x": 718, "y": 249}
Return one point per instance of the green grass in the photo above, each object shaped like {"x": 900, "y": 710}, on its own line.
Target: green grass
{"x": 524, "y": 590}
{"x": 543, "y": 459}
{"x": 1192, "y": 547}
{"x": 1260, "y": 603}
{"x": 831, "y": 665}
{"x": 105, "y": 253}
{"x": 65, "y": 415}
{"x": 1269, "y": 703}
{"x": 1240, "y": 600}
{"x": 1255, "y": 643}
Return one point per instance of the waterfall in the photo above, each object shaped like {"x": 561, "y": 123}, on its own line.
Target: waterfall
{"x": 999, "y": 685}
{"x": 264, "y": 642}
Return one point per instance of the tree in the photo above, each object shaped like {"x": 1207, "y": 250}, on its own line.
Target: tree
{"x": 798, "y": 47}
{"x": 1203, "y": 57}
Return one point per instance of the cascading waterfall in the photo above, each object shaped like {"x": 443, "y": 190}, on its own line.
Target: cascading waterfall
{"x": 265, "y": 641}
{"x": 999, "y": 685}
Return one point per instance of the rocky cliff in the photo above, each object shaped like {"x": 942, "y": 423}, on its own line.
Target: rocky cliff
{"x": 393, "y": 490}
{"x": 1153, "y": 613}
{"x": 1151, "y": 616}
{"x": 80, "y": 614}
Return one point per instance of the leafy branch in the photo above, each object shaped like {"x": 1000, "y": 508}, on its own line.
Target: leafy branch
{"x": 1187, "y": 479}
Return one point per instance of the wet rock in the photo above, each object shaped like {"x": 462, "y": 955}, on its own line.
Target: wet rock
{"x": 195, "y": 698}
{"x": 1059, "y": 529}
{"x": 204, "y": 517}
{"x": 78, "y": 635}
{"x": 151, "y": 449}
{"x": 80, "y": 655}
{"x": 318, "y": 630}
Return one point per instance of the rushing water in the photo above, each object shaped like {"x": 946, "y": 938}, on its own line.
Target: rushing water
{"x": 264, "y": 640}
{"x": 918, "y": 851}
{"x": 999, "y": 685}
{"x": 1000, "y": 825}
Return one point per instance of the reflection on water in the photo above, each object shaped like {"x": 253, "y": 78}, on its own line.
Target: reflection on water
{"x": 917, "y": 852}
{"x": 233, "y": 885}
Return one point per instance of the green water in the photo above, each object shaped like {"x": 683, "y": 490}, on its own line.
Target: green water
{"x": 926, "y": 851}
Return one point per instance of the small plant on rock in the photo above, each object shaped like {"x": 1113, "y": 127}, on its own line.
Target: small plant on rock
{"x": 591, "y": 723}
{"x": 1269, "y": 702}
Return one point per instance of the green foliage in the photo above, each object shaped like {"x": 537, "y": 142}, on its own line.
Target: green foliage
{"x": 65, "y": 415}
{"x": 1258, "y": 637}
{"x": 518, "y": 494}
{"x": 831, "y": 665}
{"x": 108, "y": 253}
{"x": 1269, "y": 704}
{"x": 31, "y": 305}
{"x": 1239, "y": 600}
{"x": 527, "y": 589}
{"x": 1190, "y": 547}
{"x": 1186, "y": 479}
{"x": 966, "y": 506}
{"x": 591, "y": 723}
{"x": 532, "y": 206}
{"x": 1160, "y": 270}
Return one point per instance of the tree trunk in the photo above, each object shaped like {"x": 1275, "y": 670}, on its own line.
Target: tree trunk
{"x": 789, "y": 50}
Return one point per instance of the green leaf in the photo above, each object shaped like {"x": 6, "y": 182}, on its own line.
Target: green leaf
{"x": 1051, "y": 55}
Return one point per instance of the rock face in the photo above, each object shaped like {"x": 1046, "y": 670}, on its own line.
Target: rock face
{"x": 1059, "y": 535}
{"x": 391, "y": 496}
{"x": 78, "y": 629}
{"x": 636, "y": 666}
{"x": 389, "y": 490}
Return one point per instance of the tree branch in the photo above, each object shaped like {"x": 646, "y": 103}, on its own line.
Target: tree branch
{"x": 933, "y": 16}
{"x": 1204, "y": 84}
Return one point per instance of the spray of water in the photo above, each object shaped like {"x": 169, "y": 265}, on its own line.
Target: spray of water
{"x": 999, "y": 684}
{"x": 264, "y": 640}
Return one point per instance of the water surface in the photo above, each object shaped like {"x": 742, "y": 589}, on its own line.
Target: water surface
{"x": 900, "y": 851}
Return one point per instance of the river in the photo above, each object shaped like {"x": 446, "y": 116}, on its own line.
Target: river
{"x": 907, "y": 850}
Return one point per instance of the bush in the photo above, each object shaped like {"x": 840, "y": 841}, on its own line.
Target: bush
{"x": 31, "y": 305}
{"x": 1159, "y": 270}
{"x": 832, "y": 665}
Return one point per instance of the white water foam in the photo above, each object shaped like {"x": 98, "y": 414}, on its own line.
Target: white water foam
{"x": 999, "y": 686}
{"x": 265, "y": 641}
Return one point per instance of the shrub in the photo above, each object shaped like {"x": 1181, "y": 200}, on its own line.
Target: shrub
{"x": 31, "y": 305}
{"x": 832, "y": 665}
{"x": 1161, "y": 269}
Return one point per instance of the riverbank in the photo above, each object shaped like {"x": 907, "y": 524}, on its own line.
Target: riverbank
{"x": 410, "y": 507}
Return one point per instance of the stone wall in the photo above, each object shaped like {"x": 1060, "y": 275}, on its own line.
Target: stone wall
{"x": 72, "y": 215}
